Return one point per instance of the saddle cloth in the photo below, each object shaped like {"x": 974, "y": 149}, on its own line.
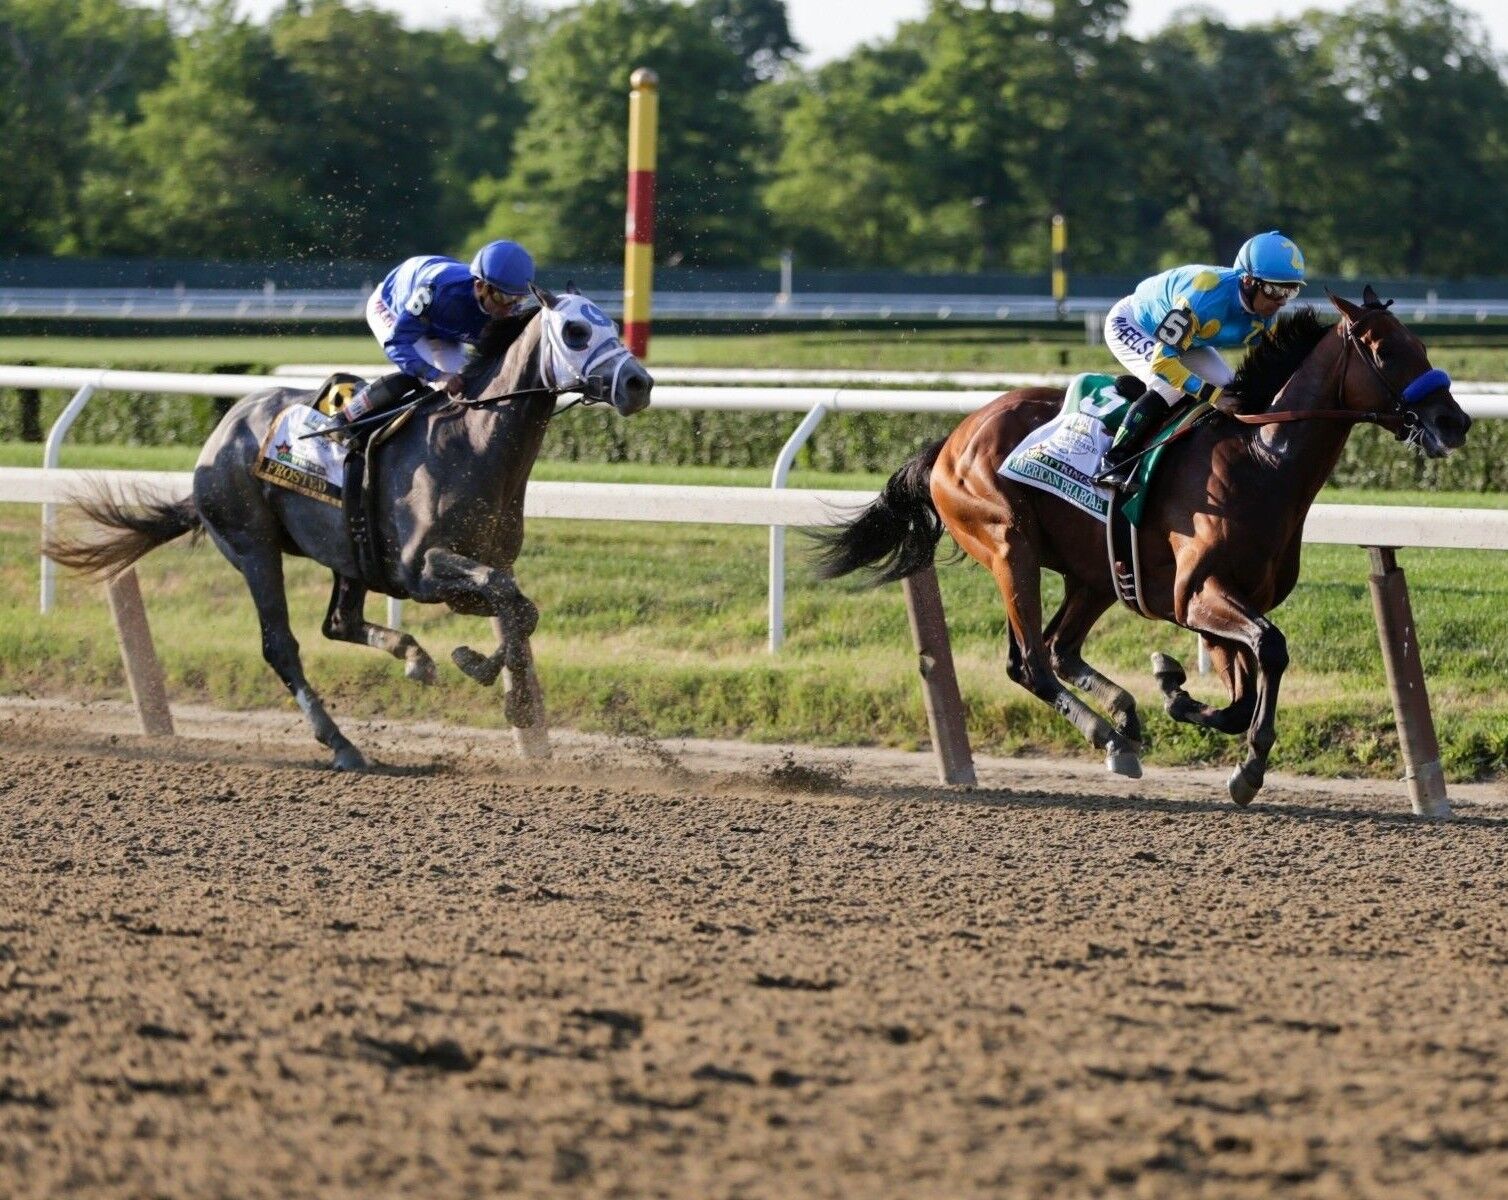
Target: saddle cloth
{"x": 1062, "y": 456}
{"x": 311, "y": 466}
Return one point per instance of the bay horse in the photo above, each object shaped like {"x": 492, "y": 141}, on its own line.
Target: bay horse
{"x": 1220, "y": 538}
{"x": 450, "y": 505}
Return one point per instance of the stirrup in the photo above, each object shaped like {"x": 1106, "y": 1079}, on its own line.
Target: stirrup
{"x": 1119, "y": 477}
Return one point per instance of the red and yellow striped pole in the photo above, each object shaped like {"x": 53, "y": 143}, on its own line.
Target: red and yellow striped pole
{"x": 639, "y": 228}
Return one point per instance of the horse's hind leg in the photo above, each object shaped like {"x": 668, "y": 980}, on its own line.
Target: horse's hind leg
{"x": 1065, "y": 634}
{"x": 1018, "y": 574}
{"x": 1235, "y": 664}
{"x": 345, "y": 621}
{"x": 449, "y": 576}
{"x": 262, "y": 568}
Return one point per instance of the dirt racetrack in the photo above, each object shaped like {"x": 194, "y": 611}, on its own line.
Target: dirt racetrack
{"x": 721, "y": 971}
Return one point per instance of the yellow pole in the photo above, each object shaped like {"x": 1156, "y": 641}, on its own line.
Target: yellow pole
{"x": 1060, "y": 262}
{"x": 639, "y": 227}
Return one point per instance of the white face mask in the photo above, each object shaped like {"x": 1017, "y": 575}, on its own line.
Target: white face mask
{"x": 580, "y": 342}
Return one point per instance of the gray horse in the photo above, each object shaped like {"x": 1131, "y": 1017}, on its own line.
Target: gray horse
{"x": 450, "y": 504}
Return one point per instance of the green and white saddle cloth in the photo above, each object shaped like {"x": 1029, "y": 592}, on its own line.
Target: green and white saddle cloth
{"x": 1063, "y": 456}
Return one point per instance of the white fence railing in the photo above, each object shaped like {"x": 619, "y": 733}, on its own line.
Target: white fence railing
{"x": 1381, "y": 529}
{"x": 813, "y": 402}
{"x": 828, "y": 376}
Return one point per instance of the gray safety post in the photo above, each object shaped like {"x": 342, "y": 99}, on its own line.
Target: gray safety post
{"x": 143, "y": 672}
{"x": 944, "y": 704}
{"x": 1405, "y": 671}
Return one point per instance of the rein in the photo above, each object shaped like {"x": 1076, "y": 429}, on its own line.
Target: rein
{"x": 1400, "y": 419}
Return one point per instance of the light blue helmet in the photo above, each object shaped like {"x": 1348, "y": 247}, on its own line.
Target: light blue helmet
{"x": 1272, "y": 257}
{"x": 505, "y": 265}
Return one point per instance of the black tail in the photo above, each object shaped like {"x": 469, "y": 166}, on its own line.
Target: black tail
{"x": 142, "y": 523}
{"x": 895, "y": 536}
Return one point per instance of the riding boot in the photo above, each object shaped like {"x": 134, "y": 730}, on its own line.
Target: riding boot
{"x": 1137, "y": 427}
{"x": 379, "y": 396}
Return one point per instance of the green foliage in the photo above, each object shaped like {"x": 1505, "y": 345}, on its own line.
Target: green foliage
{"x": 301, "y": 138}
{"x": 565, "y": 196}
{"x": 757, "y": 31}
{"x": 1425, "y": 145}
{"x": 64, "y": 64}
{"x": 175, "y": 182}
{"x": 1374, "y": 135}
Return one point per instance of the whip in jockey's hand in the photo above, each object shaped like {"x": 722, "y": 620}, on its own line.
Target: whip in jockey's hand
{"x": 428, "y": 311}
{"x": 1167, "y": 332}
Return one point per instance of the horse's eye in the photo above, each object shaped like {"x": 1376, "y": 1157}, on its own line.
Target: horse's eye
{"x": 577, "y": 334}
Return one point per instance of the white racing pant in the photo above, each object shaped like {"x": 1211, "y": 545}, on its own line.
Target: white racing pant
{"x": 1134, "y": 347}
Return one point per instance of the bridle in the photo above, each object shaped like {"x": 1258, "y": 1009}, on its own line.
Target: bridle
{"x": 1402, "y": 418}
{"x": 589, "y": 389}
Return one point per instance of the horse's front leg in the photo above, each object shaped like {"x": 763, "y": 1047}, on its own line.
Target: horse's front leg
{"x": 1238, "y": 667}
{"x": 345, "y": 621}
{"x": 1215, "y": 611}
{"x": 448, "y": 576}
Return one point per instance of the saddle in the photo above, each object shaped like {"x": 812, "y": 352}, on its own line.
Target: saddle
{"x": 359, "y": 495}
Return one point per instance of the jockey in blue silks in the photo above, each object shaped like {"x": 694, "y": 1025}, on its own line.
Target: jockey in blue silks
{"x": 1166, "y": 333}
{"x": 429, "y": 310}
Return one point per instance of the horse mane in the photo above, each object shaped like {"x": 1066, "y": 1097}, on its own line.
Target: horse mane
{"x": 498, "y": 337}
{"x": 1270, "y": 363}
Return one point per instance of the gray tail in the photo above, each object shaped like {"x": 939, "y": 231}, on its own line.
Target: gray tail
{"x": 895, "y": 536}
{"x": 137, "y": 523}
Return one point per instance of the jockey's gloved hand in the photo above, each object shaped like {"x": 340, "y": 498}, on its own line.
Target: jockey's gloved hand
{"x": 1225, "y": 402}
{"x": 451, "y": 384}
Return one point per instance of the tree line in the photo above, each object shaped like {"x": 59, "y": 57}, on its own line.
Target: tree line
{"x": 1377, "y": 136}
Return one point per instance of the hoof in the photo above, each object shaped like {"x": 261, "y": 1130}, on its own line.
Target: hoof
{"x": 421, "y": 670}
{"x": 478, "y": 666}
{"x": 348, "y": 758}
{"x": 1242, "y": 790}
{"x": 533, "y": 742}
{"x": 1169, "y": 671}
{"x": 1123, "y": 763}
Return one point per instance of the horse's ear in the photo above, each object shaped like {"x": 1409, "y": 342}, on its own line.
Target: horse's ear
{"x": 1343, "y": 306}
{"x": 571, "y": 288}
{"x": 544, "y": 295}
{"x": 1371, "y": 300}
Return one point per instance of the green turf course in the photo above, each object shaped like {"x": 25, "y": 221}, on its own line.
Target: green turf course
{"x": 661, "y": 629}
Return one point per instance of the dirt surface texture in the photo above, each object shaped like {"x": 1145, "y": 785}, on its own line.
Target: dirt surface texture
{"x": 701, "y": 971}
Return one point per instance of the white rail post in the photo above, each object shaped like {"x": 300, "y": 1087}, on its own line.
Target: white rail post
{"x": 1399, "y": 638}
{"x": 782, "y": 471}
{"x": 139, "y": 656}
{"x": 50, "y": 455}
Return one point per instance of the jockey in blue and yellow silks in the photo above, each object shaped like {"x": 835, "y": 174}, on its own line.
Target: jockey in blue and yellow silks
{"x": 1169, "y": 331}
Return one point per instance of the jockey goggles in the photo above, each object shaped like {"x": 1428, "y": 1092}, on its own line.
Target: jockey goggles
{"x": 1278, "y": 291}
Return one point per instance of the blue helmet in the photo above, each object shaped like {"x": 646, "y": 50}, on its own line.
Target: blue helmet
{"x": 504, "y": 265}
{"x": 1272, "y": 257}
